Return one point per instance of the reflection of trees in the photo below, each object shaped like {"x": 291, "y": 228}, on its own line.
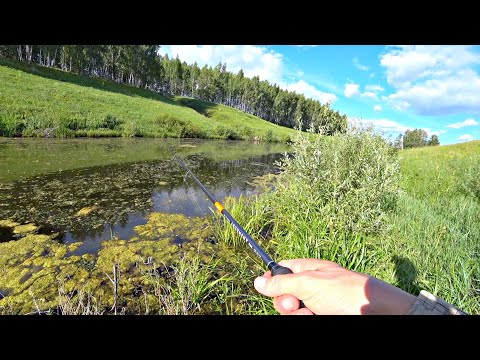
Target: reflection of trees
{"x": 119, "y": 190}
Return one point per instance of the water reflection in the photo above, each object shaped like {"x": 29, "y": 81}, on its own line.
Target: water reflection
{"x": 94, "y": 204}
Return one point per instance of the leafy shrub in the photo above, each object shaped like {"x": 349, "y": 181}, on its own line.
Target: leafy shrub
{"x": 111, "y": 122}
{"x": 10, "y": 125}
{"x": 225, "y": 132}
{"x": 173, "y": 126}
{"x": 350, "y": 180}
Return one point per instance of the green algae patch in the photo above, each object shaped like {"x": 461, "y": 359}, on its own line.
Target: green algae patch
{"x": 8, "y": 223}
{"x": 86, "y": 210}
{"x": 25, "y": 229}
{"x": 29, "y": 268}
{"x": 163, "y": 225}
{"x": 155, "y": 272}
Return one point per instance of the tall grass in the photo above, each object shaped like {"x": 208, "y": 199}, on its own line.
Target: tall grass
{"x": 410, "y": 220}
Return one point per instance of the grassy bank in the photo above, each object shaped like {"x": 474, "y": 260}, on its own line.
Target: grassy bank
{"x": 410, "y": 219}
{"x": 37, "y": 101}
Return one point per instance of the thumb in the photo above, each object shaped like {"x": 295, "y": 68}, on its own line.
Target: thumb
{"x": 277, "y": 285}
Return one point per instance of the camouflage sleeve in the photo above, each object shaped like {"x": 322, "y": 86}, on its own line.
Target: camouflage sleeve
{"x": 429, "y": 304}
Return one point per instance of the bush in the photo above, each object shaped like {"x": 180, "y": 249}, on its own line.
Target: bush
{"x": 10, "y": 125}
{"x": 111, "y": 122}
{"x": 175, "y": 127}
{"x": 350, "y": 180}
{"x": 227, "y": 133}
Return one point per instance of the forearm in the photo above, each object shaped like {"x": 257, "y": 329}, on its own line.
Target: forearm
{"x": 385, "y": 299}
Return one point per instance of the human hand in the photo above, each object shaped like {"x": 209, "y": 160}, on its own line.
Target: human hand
{"x": 327, "y": 288}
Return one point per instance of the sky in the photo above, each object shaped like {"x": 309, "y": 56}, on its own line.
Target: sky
{"x": 394, "y": 88}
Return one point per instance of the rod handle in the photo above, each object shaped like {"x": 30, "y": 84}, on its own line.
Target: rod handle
{"x": 282, "y": 270}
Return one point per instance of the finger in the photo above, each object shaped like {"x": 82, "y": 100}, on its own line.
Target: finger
{"x": 286, "y": 303}
{"x": 302, "y": 311}
{"x": 299, "y": 265}
{"x": 281, "y": 285}
{"x": 268, "y": 274}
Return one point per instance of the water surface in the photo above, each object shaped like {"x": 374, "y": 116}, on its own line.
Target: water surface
{"x": 90, "y": 190}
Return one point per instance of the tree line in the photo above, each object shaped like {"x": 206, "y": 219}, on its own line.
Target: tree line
{"x": 415, "y": 138}
{"x": 142, "y": 66}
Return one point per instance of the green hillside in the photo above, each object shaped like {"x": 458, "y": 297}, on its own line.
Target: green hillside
{"x": 37, "y": 101}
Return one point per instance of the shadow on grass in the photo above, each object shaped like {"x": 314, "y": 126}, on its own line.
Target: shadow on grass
{"x": 199, "y": 106}
{"x": 94, "y": 82}
{"x": 406, "y": 275}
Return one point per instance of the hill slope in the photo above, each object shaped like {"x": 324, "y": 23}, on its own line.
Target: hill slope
{"x": 40, "y": 101}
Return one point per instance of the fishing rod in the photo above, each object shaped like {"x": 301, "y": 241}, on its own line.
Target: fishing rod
{"x": 275, "y": 268}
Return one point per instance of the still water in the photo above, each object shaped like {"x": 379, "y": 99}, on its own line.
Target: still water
{"x": 91, "y": 190}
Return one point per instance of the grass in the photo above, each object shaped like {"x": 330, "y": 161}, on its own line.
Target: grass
{"x": 43, "y": 102}
{"x": 431, "y": 237}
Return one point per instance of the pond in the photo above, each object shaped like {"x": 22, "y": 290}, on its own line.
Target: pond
{"x": 91, "y": 190}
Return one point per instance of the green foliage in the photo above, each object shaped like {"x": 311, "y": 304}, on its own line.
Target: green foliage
{"x": 433, "y": 141}
{"x": 174, "y": 127}
{"x": 349, "y": 180}
{"x": 226, "y": 132}
{"x": 269, "y": 136}
{"x": 11, "y": 125}
{"x": 414, "y": 138}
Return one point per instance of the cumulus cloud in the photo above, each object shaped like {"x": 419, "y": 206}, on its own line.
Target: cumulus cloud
{"x": 377, "y": 108}
{"x": 465, "y": 137}
{"x": 351, "y": 90}
{"x": 369, "y": 94}
{"x": 438, "y": 132}
{"x": 386, "y": 125}
{"x": 458, "y": 125}
{"x": 433, "y": 79}
{"x": 310, "y": 91}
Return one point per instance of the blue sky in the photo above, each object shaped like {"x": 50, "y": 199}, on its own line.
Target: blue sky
{"x": 432, "y": 87}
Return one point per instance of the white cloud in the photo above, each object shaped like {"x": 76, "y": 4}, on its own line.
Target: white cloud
{"x": 377, "y": 108}
{"x": 351, "y": 90}
{"x": 374, "y": 88}
{"x": 310, "y": 91}
{"x": 465, "y": 137}
{"x": 455, "y": 94}
{"x": 370, "y": 95}
{"x": 468, "y": 122}
{"x": 433, "y": 80}
{"x": 405, "y": 64}
{"x": 438, "y": 132}
{"x": 381, "y": 125}
{"x": 386, "y": 125}
{"x": 359, "y": 66}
